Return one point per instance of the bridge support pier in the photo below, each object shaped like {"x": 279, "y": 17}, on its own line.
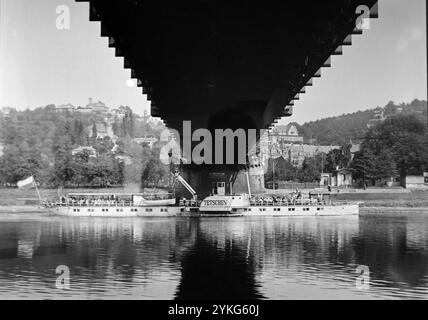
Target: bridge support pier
{"x": 229, "y": 179}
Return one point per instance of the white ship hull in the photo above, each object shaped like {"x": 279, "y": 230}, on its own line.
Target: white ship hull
{"x": 301, "y": 210}
{"x": 87, "y": 211}
{"x": 240, "y": 205}
{"x": 172, "y": 211}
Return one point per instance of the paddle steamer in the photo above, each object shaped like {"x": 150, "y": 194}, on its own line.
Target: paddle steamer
{"x": 217, "y": 204}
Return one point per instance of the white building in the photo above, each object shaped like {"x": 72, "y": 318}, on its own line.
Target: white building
{"x": 65, "y": 107}
{"x": 97, "y": 107}
{"x": 285, "y": 134}
{"x": 83, "y": 109}
{"x": 6, "y": 111}
{"x": 119, "y": 113}
{"x": 124, "y": 158}
{"x": 150, "y": 141}
{"x": 88, "y": 149}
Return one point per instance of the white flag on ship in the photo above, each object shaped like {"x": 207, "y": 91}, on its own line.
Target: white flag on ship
{"x": 26, "y": 183}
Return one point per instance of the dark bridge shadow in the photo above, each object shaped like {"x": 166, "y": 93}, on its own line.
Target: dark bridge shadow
{"x": 212, "y": 270}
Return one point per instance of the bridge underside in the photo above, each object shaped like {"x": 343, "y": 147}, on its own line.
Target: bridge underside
{"x": 227, "y": 63}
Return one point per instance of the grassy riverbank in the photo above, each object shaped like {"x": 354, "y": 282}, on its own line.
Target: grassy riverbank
{"x": 376, "y": 197}
{"x": 414, "y": 199}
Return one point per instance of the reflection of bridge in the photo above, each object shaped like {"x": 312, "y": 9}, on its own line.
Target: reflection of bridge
{"x": 226, "y": 64}
{"x": 206, "y": 258}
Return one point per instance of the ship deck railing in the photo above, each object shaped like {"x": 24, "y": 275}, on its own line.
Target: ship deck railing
{"x": 99, "y": 204}
{"x": 285, "y": 203}
{"x": 189, "y": 203}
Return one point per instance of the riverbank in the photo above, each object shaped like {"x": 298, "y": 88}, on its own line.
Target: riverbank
{"x": 22, "y": 209}
{"x": 393, "y": 211}
{"x": 411, "y": 199}
{"x": 375, "y": 197}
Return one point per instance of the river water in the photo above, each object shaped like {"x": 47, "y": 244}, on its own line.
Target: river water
{"x": 366, "y": 257}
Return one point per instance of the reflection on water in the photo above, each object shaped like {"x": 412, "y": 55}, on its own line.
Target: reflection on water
{"x": 240, "y": 258}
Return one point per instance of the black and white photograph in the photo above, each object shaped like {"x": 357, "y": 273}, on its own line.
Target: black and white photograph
{"x": 225, "y": 153}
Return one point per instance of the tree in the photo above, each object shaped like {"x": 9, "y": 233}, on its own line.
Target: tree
{"x": 338, "y": 158}
{"x": 311, "y": 169}
{"x": 396, "y": 146}
{"x": 280, "y": 169}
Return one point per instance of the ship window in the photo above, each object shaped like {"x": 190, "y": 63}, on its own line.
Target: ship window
{"x": 249, "y": 209}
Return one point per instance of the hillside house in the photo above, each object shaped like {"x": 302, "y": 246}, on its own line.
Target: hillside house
{"x": 92, "y": 153}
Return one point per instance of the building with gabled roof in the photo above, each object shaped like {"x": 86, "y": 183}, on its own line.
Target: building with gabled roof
{"x": 65, "y": 107}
